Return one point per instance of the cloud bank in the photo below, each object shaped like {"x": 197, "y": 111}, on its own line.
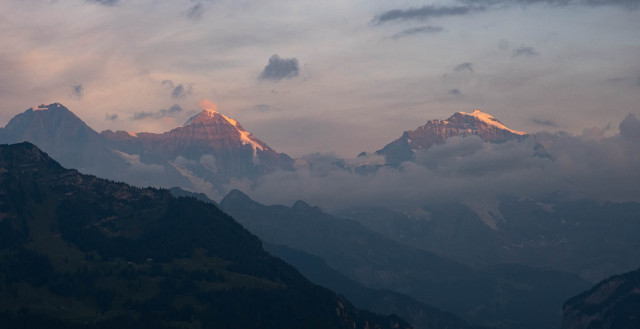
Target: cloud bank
{"x": 585, "y": 166}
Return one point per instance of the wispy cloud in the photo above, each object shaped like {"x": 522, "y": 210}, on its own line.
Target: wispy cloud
{"x": 77, "y": 91}
{"x": 543, "y": 122}
{"x": 174, "y": 109}
{"x": 105, "y": 2}
{"x": 624, "y": 3}
{"x": 524, "y": 51}
{"x": 111, "y": 117}
{"x": 417, "y": 30}
{"x": 425, "y": 12}
{"x": 466, "y": 66}
{"x": 177, "y": 91}
{"x": 472, "y": 6}
{"x": 264, "y": 108}
{"x": 195, "y": 12}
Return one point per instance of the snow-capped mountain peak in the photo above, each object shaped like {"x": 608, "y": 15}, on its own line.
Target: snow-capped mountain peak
{"x": 434, "y": 132}
{"x": 490, "y": 120}
{"x": 211, "y": 116}
{"x": 245, "y": 136}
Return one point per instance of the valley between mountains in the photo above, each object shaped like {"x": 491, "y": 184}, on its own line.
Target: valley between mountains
{"x": 460, "y": 223}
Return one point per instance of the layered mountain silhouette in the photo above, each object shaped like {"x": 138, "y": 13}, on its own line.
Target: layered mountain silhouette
{"x": 585, "y": 237}
{"x": 505, "y": 295}
{"x": 419, "y": 315}
{"x": 77, "y": 251}
{"x": 434, "y": 132}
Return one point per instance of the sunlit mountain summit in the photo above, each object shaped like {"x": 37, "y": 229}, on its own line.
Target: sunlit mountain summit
{"x": 210, "y": 145}
{"x": 435, "y": 132}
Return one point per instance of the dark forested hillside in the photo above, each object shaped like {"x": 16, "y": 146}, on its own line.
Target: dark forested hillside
{"x": 77, "y": 251}
{"x": 613, "y": 303}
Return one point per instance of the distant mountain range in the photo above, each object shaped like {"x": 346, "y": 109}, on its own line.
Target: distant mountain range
{"x": 78, "y": 251}
{"x": 209, "y": 150}
{"x": 203, "y": 155}
{"x": 435, "y": 132}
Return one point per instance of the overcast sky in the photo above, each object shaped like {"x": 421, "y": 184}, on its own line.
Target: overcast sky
{"x": 324, "y": 76}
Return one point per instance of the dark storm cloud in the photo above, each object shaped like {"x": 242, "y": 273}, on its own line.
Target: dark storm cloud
{"x": 174, "y": 109}
{"x": 177, "y": 91}
{"x": 105, "y": 2}
{"x": 585, "y": 166}
{"x": 111, "y": 117}
{"x": 77, "y": 91}
{"x": 280, "y": 68}
{"x": 455, "y": 92}
{"x": 417, "y": 30}
{"x": 524, "y": 51}
{"x": 424, "y": 13}
{"x": 542, "y": 122}
{"x": 464, "y": 67}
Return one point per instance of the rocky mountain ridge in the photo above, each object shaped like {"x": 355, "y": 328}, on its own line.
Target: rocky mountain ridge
{"x": 223, "y": 148}
{"x": 435, "y": 132}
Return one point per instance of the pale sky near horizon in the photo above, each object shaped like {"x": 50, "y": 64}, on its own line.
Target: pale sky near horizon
{"x": 329, "y": 76}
